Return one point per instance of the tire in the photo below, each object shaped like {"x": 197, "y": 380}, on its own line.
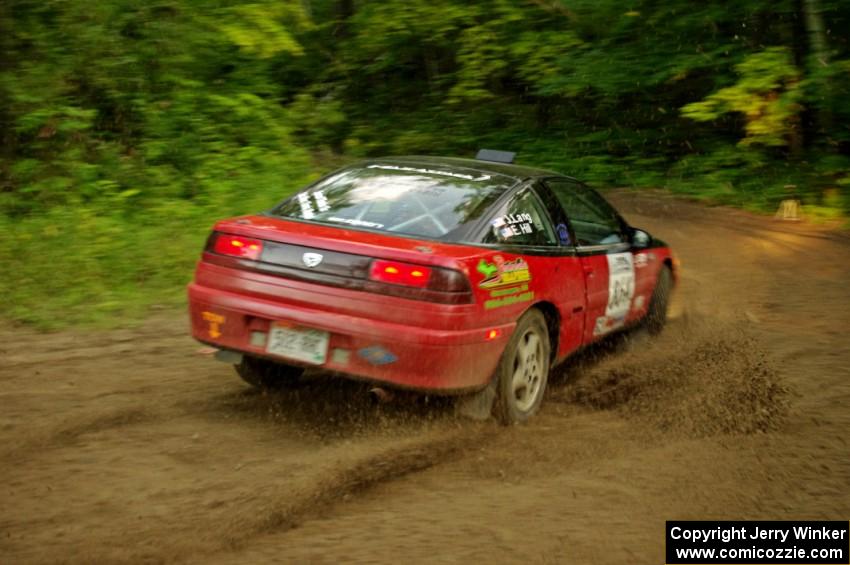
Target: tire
{"x": 656, "y": 317}
{"x": 523, "y": 370}
{"x": 267, "y": 375}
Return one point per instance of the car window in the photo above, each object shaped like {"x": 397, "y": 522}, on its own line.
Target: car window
{"x": 594, "y": 221}
{"x": 521, "y": 221}
{"x": 432, "y": 202}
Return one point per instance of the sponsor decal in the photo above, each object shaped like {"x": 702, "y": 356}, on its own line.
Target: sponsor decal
{"x": 563, "y": 234}
{"x": 621, "y": 290}
{"x": 503, "y": 273}
{"x": 621, "y": 284}
{"x": 516, "y": 295}
{"x": 321, "y": 201}
{"x": 638, "y": 302}
{"x": 377, "y": 355}
{"x": 507, "y": 291}
{"x": 507, "y": 282}
{"x": 487, "y": 269}
{"x": 307, "y": 211}
{"x": 215, "y": 321}
{"x": 605, "y": 324}
{"x": 356, "y": 222}
{"x": 641, "y": 260}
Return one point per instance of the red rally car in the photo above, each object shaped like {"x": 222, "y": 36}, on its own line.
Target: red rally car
{"x": 442, "y": 275}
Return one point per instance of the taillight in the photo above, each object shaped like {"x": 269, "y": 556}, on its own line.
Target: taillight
{"x": 238, "y": 246}
{"x": 395, "y": 272}
{"x": 350, "y": 271}
{"x": 407, "y": 280}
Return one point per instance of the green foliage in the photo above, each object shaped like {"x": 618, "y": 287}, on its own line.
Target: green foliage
{"x": 128, "y": 127}
{"x": 135, "y": 126}
{"x": 260, "y": 29}
{"x": 318, "y": 120}
{"x": 767, "y": 92}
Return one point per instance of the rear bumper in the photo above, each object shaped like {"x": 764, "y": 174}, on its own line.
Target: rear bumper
{"x": 421, "y": 358}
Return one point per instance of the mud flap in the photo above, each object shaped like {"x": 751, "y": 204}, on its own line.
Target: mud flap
{"x": 478, "y": 405}
{"x": 227, "y": 356}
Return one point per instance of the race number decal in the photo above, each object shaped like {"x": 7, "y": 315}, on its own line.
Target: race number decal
{"x": 621, "y": 285}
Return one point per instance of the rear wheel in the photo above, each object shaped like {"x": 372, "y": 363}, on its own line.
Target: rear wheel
{"x": 523, "y": 370}
{"x": 265, "y": 374}
{"x": 656, "y": 318}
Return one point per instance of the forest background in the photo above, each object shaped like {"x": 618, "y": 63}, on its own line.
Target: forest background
{"x": 128, "y": 126}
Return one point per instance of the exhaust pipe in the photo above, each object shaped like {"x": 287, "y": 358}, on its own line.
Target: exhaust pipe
{"x": 227, "y": 356}
{"x": 380, "y": 395}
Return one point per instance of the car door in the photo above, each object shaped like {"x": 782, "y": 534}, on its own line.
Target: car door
{"x": 602, "y": 244}
{"x": 534, "y": 228}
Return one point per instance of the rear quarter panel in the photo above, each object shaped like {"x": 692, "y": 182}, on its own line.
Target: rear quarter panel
{"x": 507, "y": 284}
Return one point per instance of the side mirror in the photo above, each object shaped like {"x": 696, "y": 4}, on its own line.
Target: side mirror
{"x": 640, "y": 239}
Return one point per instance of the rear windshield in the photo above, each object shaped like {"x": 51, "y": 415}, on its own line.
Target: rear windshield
{"x": 423, "y": 201}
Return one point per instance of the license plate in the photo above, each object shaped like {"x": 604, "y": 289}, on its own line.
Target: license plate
{"x": 301, "y": 344}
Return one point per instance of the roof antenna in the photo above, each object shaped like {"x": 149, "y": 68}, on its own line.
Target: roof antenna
{"x": 495, "y": 156}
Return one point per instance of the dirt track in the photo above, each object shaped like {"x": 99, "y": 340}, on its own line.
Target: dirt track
{"x": 131, "y": 446}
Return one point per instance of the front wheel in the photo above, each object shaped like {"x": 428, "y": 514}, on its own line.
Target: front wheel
{"x": 656, "y": 317}
{"x": 523, "y": 371}
{"x": 265, "y": 374}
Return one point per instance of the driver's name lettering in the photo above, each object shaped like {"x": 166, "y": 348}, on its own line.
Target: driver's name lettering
{"x": 511, "y": 225}
{"x": 510, "y": 231}
{"x": 520, "y": 218}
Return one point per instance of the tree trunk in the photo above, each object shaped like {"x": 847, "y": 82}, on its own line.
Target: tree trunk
{"x": 7, "y": 131}
{"x": 344, "y": 10}
{"x": 818, "y": 64}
